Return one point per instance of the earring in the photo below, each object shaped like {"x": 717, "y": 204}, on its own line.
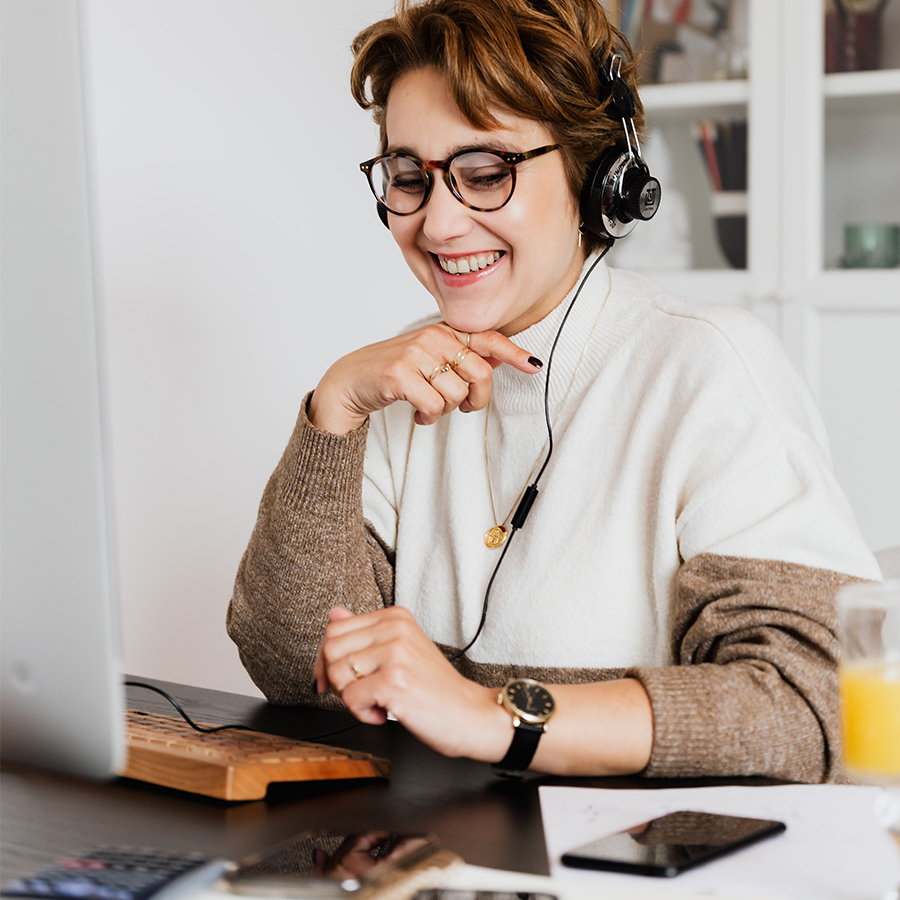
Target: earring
{"x": 580, "y": 233}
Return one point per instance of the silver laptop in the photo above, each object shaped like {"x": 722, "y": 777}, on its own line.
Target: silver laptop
{"x": 62, "y": 700}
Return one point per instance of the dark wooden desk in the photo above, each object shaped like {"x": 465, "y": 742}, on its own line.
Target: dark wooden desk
{"x": 486, "y": 820}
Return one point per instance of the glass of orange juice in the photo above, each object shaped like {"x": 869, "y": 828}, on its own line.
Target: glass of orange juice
{"x": 870, "y": 681}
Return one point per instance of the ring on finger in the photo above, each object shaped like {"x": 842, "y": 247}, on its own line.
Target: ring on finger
{"x": 456, "y": 362}
{"x": 353, "y": 670}
{"x": 468, "y": 338}
{"x": 439, "y": 370}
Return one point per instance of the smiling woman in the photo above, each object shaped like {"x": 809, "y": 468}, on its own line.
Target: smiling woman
{"x": 670, "y": 604}
{"x": 530, "y": 231}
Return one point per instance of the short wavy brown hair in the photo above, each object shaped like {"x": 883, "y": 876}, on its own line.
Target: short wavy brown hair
{"x": 539, "y": 59}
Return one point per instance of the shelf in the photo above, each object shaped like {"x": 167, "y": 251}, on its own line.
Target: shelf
{"x": 880, "y": 89}
{"x": 856, "y": 290}
{"x": 698, "y": 97}
{"x": 863, "y": 84}
{"x": 725, "y": 286}
{"x": 871, "y": 92}
{"x": 835, "y": 290}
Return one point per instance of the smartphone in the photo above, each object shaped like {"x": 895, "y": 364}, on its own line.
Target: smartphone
{"x": 670, "y": 844}
{"x": 328, "y": 865}
{"x": 461, "y": 894}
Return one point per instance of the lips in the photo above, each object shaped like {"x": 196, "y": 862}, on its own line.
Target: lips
{"x": 465, "y": 265}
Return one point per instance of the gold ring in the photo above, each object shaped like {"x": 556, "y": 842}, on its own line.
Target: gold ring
{"x": 439, "y": 370}
{"x": 354, "y": 671}
{"x": 456, "y": 362}
{"x": 468, "y": 338}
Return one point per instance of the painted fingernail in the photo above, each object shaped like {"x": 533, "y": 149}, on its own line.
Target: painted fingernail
{"x": 535, "y": 362}
{"x": 315, "y": 685}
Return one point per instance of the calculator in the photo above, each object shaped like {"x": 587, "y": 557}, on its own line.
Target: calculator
{"x": 120, "y": 873}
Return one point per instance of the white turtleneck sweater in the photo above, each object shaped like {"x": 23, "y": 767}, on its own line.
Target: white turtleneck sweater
{"x": 679, "y": 429}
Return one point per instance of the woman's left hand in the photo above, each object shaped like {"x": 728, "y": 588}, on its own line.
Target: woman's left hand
{"x": 382, "y": 660}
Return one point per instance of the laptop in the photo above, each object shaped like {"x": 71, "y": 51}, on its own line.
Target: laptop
{"x": 61, "y": 694}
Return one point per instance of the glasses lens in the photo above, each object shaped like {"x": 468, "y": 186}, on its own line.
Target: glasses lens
{"x": 483, "y": 179}
{"x": 398, "y": 183}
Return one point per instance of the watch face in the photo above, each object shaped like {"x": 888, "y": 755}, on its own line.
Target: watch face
{"x": 529, "y": 700}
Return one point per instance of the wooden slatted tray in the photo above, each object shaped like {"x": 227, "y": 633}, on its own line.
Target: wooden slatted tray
{"x": 233, "y": 765}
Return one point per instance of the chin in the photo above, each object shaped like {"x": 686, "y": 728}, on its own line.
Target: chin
{"x": 471, "y": 316}
{"x": 471, "y": 324}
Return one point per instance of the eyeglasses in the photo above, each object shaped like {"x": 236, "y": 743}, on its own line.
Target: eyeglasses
{"x": 483, "y": 180}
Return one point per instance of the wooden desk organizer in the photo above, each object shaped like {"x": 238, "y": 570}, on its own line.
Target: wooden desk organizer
{"x": 233, "y": 765}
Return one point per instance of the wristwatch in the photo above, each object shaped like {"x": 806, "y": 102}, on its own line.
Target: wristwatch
{"x": 531, "y": 705}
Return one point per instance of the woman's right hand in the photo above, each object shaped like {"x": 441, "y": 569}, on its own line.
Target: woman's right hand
{"x": 436, "y": 369}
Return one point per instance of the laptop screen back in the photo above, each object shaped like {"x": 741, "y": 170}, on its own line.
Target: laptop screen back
{"x": 62, "y": 700}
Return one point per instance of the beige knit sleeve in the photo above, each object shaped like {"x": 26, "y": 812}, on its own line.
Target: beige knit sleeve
{"x": 755, "y": 689}
{"x": 311, "y": 550}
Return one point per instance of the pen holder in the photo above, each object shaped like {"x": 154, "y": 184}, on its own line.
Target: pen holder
{"x": 729, "y": 210}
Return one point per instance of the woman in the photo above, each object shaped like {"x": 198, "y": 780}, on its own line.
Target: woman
{"x": 672, "y": 590}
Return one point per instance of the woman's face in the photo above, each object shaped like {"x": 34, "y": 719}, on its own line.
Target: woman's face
{"x": 535, "y": 234}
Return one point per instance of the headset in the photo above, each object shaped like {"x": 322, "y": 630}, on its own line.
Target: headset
{"x": 618, "y": 190}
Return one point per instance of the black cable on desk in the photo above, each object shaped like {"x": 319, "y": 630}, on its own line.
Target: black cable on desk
{"x": 233, "y": 727}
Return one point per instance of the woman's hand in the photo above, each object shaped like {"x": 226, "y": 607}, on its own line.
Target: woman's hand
{"x": 382, "y": 661}
{"x": 435, "y": 368}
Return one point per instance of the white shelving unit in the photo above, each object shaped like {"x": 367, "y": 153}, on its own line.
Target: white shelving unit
{"x": 822, "y": 152}
{"x": 875, "y": 87}
{"x": 704, "y": 97}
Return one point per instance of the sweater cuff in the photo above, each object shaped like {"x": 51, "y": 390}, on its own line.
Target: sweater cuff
{"x": 680, "y": 736}
{"x": 704, "y": 726}
{"x": 332, "y": 462}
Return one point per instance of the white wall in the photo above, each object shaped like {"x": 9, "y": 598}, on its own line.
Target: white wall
{"x": 239, "y": 255}
{"x": 859, "y": 395}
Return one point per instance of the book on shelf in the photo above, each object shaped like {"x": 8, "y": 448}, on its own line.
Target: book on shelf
{"x": 723, "y": 148}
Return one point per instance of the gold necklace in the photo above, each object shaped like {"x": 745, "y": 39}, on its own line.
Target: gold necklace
{"x": 497, "y": 534}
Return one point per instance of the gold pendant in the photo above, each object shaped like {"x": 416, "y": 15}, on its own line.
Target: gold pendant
{"x": 496, "y": 537}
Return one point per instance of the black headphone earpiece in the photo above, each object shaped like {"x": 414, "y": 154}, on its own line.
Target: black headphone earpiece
{"x": 383, "y": 215}
{"x": 619, "y": 190}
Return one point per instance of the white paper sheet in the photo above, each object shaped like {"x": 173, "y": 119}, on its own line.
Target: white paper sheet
{"x": 834, "y": 847}
{"x": 475, "y": 878}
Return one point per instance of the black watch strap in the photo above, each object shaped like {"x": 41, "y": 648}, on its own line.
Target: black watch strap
{"x": 521, "y": 751}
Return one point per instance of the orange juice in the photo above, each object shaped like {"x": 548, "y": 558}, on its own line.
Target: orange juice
{"x": 870, "y": 698}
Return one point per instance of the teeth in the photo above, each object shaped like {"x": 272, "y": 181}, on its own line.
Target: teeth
{"x": 463, "y": 265}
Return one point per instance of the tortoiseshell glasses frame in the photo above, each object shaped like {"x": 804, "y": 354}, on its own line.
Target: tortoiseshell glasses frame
{"x": 481, "y": 179}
